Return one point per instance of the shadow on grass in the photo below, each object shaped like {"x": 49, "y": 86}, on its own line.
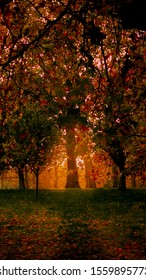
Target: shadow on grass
{"x": 73, "y": 239}
{"x": 85, "y": 221}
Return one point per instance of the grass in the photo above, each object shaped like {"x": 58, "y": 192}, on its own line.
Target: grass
{"x": 73, "y": 224}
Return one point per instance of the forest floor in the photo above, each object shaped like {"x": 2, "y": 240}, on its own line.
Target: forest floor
{"x": 73, "y": 224}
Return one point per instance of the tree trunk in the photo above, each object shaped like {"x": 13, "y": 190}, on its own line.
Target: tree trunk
{"x": 115, "y": 174}
{"x": 90, "y": 183}
{"x": 72, "y": 176}
{"x": 122, "y": 181}
{"x": 122, "y": 177}
{"x": 2, "y": 180}
{"x": 37, "y": 182}
{"x": 21, "y": 178}
{"x": 118, "y": 156}
{"x": 133, "y": 181}
{"x": 26, "y": 176}
{"x": 55, "y": 176}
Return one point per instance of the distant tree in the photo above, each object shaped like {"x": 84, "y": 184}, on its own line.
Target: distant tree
{"x": 72, "y": 97}
{"x": 85, "y": 149}
{"x": 89, "y": 172}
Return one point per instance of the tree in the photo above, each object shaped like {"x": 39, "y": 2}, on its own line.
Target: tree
{"x": 117, "y": 90}
{"x": 31, "y": 136}
{"x": 70, "y": 99}
{"x": 42, "y": 136}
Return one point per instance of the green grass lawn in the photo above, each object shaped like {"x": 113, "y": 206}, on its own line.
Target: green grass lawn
{"x": 73, "y": 224}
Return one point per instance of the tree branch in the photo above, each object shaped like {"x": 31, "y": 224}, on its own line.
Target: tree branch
{"x": 41, "y": 34}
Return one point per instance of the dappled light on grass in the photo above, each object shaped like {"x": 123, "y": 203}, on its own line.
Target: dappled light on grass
{"x": 73, "y": 224}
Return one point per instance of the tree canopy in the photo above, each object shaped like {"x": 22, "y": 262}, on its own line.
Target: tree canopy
{"x": 72, "y": 62}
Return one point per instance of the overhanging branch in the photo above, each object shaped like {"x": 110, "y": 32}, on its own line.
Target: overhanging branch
{"x": 40, "y": 35}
